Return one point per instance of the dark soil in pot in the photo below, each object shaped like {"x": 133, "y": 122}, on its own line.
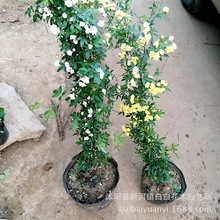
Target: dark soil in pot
{"x": 164, "y": 193}
{"x": 91, "y": 190}
{"x": 3, "y": 133}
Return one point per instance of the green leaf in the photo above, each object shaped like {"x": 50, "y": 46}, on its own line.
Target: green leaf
{"x": 35, "y": 106}
{"x": 6, "y": 171}
{"x": 118, "y": 140}
{"x": 57, "y": 92}
{"x": 73, "y": 124}
{"x": 2, "y": 112}
{"x": 50, "y": 113}
{"x": 2, "y": 176}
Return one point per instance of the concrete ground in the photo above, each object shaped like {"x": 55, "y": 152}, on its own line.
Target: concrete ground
{"x": 192, "y": 119}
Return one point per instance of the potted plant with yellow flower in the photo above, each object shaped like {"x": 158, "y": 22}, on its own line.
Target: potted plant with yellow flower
{"x": 92, "y": 175}
{"x": 140, "y": 47}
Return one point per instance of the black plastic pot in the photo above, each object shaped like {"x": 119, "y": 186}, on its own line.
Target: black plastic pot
{"x": 102, "y": 202}
{"x": 160, "y": 199}
{"x": 4, "y": 135}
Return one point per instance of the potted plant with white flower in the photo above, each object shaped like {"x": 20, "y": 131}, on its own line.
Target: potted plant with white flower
{"x": 140, "y": 48}
{"x": 91, "y": 175}
{"x": 3, "y": 130}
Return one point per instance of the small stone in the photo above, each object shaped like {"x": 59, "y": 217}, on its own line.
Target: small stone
{"x": 13, "y": 19}
{"x": 19, "y": 120}
{"x": 48, "y": 166}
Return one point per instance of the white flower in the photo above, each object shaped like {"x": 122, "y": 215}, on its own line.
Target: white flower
{"x": 94, "y": 30}
{"x": 67, "y": 64}
{"x": 81, "y": 84}
{"x": 101, "y": 23}
{"x": 102, "y": 11}
{"x": 91, "y": 135}
{"x": 69, "y": 52}
{"x": 110, "y": 77}
{"x": 86, "y": 124}
{"x": 64, "y": 15}
{"x": 46, "y": 9}
{"x": 165, "y": 9}
{"x": 90, "y": 46}
{"x": 74, "y": 1}
{"x": 82, "y": 113}
{"x": 85, "y": 79}
{"x": 101, "y": 72}
{"x": 88, "y": 98}
{"x": 99, "y": 110}
{"x": 49, "y": 13}
{"x": 88, "y": 131}
{"x": 72, "y": 71}
{"x": 57, "y": 63}
{"x": 82, "y": 24}
{"x": 54, "y": 29}
{"x": 71, "y": 19}
{"x": 135, "y": 69}
{"x": 44, "y": 16}
{"x": 104, "y": 91}
{"x": 40, "y": 10}
{"x": 72, "y": 96}
{"x": 73, "y": 37}
{"x": 86, "y": 138}
{"x": 68, "y": 3}
{"x": 85, "y": 103}
{"x": 90, "y": 115}
{"x": 90, "y": 111}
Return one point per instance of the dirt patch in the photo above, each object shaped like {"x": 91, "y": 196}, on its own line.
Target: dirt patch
{"x": 160, "y": 193}
{"x": 93, "y": 185}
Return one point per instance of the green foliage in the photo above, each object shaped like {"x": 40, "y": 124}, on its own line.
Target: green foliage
{"x": 118, "y": 141}
{"x": 2, "y": 114}
{"x": 84, "y": 43}
{"x": 35, "y": 106}
{"x": 50, "y": 113}
{"x": 176, "y": 187}
{"x": 59, "y": 93}
{"x": 4, "y": 173}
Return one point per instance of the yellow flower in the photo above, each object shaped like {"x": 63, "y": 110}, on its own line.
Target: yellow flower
{"x": 134, "y": 60}
{"x": 129, "y": 63}
{"x": 162, "y": 52}
{"x": 132, "y": 99}
{"x": 133, "y": 83}
{"x": 156, "y": 56}
{"x": 128, "y": 48}
{"x": 169, "y": 49}
{"x": 135, "y": 72}
{"x": 152, "y": 53}
{"x": 125, "y": 47}
{"x": 146, "y": 27}
{"x": 122, "y": 55}
{"x": 126, "y": 130}
{"x": 126, "y": 109}
{"x": 156, "y": 44}
{"x": 107, "y": 35}
{"x": 147, "y": 85}
{"x": 163, "y": 83}
{"x": 147, "y": 38}
{"x": 158, "y": 84}
{"x": 148, "y": 118}
{"x": 120, "y": 107}
{"x": 165, "y": 9}
{"x": 171, "y": 38}
{"x": 157, "y": 117}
